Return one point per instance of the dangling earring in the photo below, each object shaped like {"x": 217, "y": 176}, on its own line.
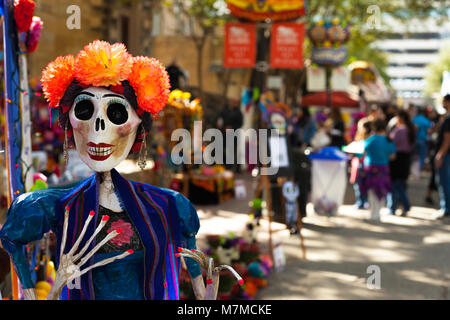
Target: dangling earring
{"x": 142, "y": 162}
{"x": 66, "y": 146}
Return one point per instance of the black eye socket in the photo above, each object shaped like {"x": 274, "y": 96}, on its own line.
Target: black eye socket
{"x": 84, "y": 109}
{"x": 117, "y": 113}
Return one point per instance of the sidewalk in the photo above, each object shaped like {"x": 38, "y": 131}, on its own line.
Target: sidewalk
{"x": 413, "y": 253}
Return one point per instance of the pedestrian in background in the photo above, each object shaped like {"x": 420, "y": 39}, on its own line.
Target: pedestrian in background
{"x": 389, "y": 111}
{"x": 442, "y": 160}
{"x": 231, "y": 117}
{"x": 403, "y": 135}
{"x": 304, "y": 128}
{"x": 432, "y": 150}
{"x": 176, "y": 74}
{"x": 336, "y": 128}
{"x": 357, "y": 165}
{"x": 378, "y": 151}
{"x": 423, "y": 125}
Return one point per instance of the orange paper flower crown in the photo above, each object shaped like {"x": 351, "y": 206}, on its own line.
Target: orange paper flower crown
{"x": 101, "y": 64}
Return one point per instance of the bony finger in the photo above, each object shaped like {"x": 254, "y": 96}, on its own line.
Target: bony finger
{"x": 110, "y": 236}
{"x": 65, "y": 226}
{"x": 102, "y": 223}
{"x": 109, "y": 260}
{"x": 83, "y": 231}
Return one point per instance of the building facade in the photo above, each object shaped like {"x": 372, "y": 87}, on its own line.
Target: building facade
{"x": 410, "y": 49}
{"x": 146, "y": 27}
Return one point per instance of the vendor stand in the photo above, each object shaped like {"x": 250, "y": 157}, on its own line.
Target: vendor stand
{"x": 203, "y": 184}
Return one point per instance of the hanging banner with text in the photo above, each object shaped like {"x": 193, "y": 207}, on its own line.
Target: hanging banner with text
{"x": 240, "y": 45}
{"x": 286, "y": 48}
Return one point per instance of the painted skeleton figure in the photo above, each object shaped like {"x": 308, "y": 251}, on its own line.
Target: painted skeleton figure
{"x": 290, "y": 194}
{"x": 116, "y": 239}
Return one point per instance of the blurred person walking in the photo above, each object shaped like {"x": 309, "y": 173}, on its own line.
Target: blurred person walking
{"x": 442, "y": 160}
{"x": 304, "y": 128}
{"x": 231, "y": 118}
{"x": 357, "y": 165}
{"x": 403, "y": 135}
{"x": 389, "y": 111}
{"x": 423, "y": 125}
{"x": 432, "y": 150}
{"x": 378, "y": 151}
{"x": 336, "y": 128}
{"x": 176, "y": 74}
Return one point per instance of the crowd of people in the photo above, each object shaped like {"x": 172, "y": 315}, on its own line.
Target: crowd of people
{"x": 396, "y": 144}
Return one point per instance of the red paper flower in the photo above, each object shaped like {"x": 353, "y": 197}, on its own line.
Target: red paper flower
{"x": 124, "y": 236}
{"x": 23, "y": 14}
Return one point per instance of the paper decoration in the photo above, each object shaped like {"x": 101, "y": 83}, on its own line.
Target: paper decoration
{"x": 274, "y": 82}
{"x": 278, "y": 152}
{"x": 240, "y": 45}
{"x": 340, "y": 79}
{"x": 316, "y": 79}
{"x": 286, "y": 47}
{"x": 267, "y": 9}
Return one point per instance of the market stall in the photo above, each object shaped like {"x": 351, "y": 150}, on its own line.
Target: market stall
{"x": 365, "y": 78}
{"x": 203, "y": 184}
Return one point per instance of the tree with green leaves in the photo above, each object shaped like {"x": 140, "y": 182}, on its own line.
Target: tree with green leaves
{"x": 366, "y": 18}
{"x": 368, "y": 23}
{"x": 435, "y": 70}
{"x": 203, "y": 17}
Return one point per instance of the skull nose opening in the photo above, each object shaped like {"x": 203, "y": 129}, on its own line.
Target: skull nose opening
{"x": 99, "y": 124}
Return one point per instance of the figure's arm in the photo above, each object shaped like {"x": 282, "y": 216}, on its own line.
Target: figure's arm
{"x": 443, "y": 150}
{"x": 189, "y": 228}
{"x": 28, "y": 218}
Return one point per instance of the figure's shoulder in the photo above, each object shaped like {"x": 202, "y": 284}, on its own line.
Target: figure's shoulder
{"x": 43, "y": 197}
{"x": 165, "y": 193}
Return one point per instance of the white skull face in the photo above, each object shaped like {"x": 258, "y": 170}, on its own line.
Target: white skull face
{"x": 290, "y": 191}
{"x": 104, "y": 127}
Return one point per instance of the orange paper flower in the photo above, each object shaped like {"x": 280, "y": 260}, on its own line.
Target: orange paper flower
{"x": 101, "y": 64}
{"x": 56, "y": 78}
{"x": 151, "y": 84}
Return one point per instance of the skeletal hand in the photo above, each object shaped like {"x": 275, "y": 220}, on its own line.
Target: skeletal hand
{"x": 70, "y": 263}
{"x": 212, "y": 273}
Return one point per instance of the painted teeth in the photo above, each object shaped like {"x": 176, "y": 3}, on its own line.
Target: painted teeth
{"x": 99, "y": 151}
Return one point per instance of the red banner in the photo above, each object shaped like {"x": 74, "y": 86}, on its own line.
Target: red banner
{"x": 240, "y": 45}
{"x": 286, "y": 48}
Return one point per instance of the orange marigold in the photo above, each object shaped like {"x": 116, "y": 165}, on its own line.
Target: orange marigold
{"x": 58, "y": 75}
{"x": 102, "y": 64}
{"x": 151, "y": 84}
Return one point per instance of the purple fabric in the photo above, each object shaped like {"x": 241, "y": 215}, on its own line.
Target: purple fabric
{"x": 376, "y": 178}
{"x": 399, "y": 136}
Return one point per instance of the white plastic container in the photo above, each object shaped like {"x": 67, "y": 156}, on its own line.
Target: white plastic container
{"x": 329, "y": 180}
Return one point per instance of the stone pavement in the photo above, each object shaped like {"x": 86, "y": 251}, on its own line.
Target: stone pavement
{"x": 412, "y": 253}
